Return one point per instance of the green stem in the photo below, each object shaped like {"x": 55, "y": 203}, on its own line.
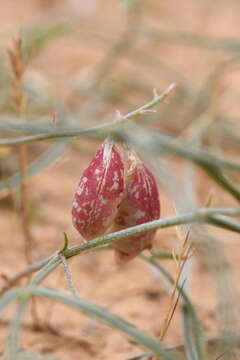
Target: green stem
{"x": 94, "y": 130}
{"x": 14, "y": 332}
{"x": 204, "y": 214}
{"x": 105, "y": 316}
{"x": 195, "y": 323}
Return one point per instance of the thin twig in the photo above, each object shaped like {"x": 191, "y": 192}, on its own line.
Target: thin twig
{"x": 193, "y": 39}
{"x": 18, "y": 68}
{"x": 182, "y": 258}
{"x": 211, "y": 342}
{"x": 102, "y": 129}
{"x": 12, "y": 347}
{"x": 68, "y": 276}
{"x": 50, "y": 308}
{"x": 200, "y": 215}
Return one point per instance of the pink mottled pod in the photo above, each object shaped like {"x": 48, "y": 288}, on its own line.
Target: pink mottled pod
{"x": 99, "y": 192}
{"x": 139, "y": 205}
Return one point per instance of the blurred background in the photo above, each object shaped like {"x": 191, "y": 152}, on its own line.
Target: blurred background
{"x": 83, "y": 60}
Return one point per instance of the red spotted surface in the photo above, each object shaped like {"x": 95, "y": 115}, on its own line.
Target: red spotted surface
{"x": 139, "y": 205}
{"x": 99, "y": 193}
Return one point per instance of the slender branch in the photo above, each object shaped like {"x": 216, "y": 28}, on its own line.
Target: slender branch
{"x": 18, "y": 67}
{"x": 161, "y": 142}
{"x": 14, "y": 332}
{"x": 166, "y": 143}
{"x": 12, "y": 347}
{"x": 155, "y": 141}
{"x": 94, "y": 130}
{"x": 193, "y": 39}
{"x": 69, "y": 276}
{"x": 101, "y": 314}
{"x": 212, "y": 344}
{"x": 97, "y": 130}
{"x": 157, "y": 99}
{"x": 200, "y": 215}
{"x": 221, "y": 221}
{"x": 187, "y": 302}
{"x": 17, "y": 70}
{"x": 197, "y": 216}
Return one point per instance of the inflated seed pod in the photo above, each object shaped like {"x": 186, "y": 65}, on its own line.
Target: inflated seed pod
{"x": 140, "y": 204}
{"x": 99, "y": 192}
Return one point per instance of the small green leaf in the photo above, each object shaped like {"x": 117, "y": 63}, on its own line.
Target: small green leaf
{"x": 209, "y": 200}
{"x": 65, "y": 246}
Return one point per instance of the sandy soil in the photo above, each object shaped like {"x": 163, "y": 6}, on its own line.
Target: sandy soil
{"x": 135, "y": 291}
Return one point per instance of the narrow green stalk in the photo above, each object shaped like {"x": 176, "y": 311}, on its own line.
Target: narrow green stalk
{"x": 221, "y": 221}
{"x": 68, "y": 276}
{"x": 15, "y": 328}
{"x": 199, "y": 344}
{"x": 102, "y": 314}
{"x": 12, "y": 348}
{"x": 229, "y": 44}
{"x": 190, "y": 336}
{"x": 98, "y": 130}
{"x": 201, "y": 215}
